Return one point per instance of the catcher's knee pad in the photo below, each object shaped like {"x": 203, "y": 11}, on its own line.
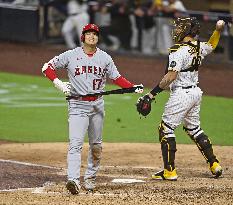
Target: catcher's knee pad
{"x": 168, "y": 147}
{"x": 204, "y": 145}
{"x": 165, "y": 131}
{"x": 96, "y": 153}
{"x": 194, "y": 132}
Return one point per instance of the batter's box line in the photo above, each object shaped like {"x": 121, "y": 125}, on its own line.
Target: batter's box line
{"x": 31, "y": 189}
{"x": 30, "y": 164}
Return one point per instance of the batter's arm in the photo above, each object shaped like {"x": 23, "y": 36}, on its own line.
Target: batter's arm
{"x": 164, "y": 83}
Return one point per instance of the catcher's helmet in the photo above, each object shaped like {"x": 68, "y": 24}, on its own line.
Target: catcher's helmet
{"x": 184, "y": 26}
{"x": 89, "y": 27}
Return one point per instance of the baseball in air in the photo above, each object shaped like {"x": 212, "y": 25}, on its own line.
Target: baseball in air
{"x": 220, "y": 22}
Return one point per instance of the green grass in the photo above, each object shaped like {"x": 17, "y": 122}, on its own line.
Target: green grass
{"x": 32, "y": 110}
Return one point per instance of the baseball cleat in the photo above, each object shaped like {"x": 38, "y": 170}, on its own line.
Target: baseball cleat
{"x": 72, "y": 187}
{"x": 216, "y": 169}
{"x": 165, "y": 175}
{"x": 89, "y": 184}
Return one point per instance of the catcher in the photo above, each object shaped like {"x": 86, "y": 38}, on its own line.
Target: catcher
{"x": 184, "y": 102}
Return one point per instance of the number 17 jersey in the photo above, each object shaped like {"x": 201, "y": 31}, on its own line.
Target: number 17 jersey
{"x": 87, "y": 73}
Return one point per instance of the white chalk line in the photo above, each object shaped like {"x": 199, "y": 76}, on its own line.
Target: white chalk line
{"x": 29, "y": 164}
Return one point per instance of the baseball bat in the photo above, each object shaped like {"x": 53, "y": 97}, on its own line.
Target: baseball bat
{"x": 108, "y": 92}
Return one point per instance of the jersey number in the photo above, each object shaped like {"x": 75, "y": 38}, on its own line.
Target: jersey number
{"x": 196, "y": 61}
{"x": 97, "y": 84}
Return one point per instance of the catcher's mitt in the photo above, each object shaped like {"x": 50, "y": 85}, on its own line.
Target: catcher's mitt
{"x": 144, "y": 105}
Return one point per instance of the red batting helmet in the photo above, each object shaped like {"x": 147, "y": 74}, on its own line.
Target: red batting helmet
{"x": 89, "y": 27}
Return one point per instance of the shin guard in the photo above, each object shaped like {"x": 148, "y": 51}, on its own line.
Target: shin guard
{"x": 168, "y": 147}
{"x": 203, "y": 143}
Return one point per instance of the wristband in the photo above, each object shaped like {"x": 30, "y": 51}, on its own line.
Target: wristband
{"x": 156, "y": 90}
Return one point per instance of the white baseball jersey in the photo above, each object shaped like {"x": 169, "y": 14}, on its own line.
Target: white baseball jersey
{"x": 185, "y": 98}
{"x": 185, "y": 57}
{"x": 86, "y": 74}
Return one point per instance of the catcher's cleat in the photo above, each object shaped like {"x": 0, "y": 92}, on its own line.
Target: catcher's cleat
{"x": 72, "y": 187}
{"x": 165, "y": 175}
{"x": 89, "y": 184}
{"x": 216, "y": 169}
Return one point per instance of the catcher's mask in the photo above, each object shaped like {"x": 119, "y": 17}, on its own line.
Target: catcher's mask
{"x": 89, "y": 27}
{"x": 185, "y": 26}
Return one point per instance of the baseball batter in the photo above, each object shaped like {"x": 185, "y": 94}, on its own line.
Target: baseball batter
{"x": 87, "y": 67}
{"x": 181, "y": 76}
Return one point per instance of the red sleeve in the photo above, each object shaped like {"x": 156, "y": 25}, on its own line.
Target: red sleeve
{"x": 50, "y": 73}
{"x": 123, "y": 83}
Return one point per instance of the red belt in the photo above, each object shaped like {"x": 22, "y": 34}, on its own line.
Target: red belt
{"x": 91, "y": 98}
{"x": 87, "y": 98}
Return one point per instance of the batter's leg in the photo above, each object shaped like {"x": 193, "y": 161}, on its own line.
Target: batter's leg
{"x": 77, "y": 129}
{"x": 95, "y": 142}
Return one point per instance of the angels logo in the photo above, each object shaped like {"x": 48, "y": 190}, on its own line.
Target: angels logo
{"x": 90, "y": 69}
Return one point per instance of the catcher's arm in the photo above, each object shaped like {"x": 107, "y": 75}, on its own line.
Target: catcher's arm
{"x": 164, "y": 83}
{"x": 144, "y": 103}
{"x": 214, "y": 39}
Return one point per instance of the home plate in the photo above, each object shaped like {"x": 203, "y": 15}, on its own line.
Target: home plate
{"x": 127, "y": 181}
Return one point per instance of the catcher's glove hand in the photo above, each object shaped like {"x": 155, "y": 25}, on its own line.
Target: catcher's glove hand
{"x": 144, "y": 105}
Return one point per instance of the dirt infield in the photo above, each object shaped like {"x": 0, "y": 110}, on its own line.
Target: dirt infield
{"x": 46, "y": 184}
{"x": 36, "y": 173}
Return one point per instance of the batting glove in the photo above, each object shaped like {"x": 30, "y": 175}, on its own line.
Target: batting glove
{"x": 62, "y": 86}
{"x": 139, "y": 88}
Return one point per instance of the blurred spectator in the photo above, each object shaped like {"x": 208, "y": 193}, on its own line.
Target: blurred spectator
{"x": 167, "y": 10}
{"x": 77, "y": 18}
{"x": 93, "y": 8}
{"x": 143, "y": 19}
{"x": 173, "y": 8}
{"x": 120, "y": 23}
{"x": 103, "y": 19}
